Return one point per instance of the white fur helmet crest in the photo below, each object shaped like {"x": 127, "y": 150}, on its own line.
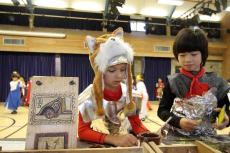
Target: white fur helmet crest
{"x": 105, "y": 51}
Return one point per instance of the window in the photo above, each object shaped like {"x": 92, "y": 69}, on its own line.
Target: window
{"x": 137, "y": 26}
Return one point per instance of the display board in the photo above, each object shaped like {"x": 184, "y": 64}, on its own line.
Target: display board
{"x": 52, "y": 118}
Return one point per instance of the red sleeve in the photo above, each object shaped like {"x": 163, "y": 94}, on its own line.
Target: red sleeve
{"x": 86, "y": 133}
{"x": 136, "y": 124}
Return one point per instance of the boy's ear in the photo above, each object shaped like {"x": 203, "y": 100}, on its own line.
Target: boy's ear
{"x": 118, "y": 32}
{"x": 90, "y": 42}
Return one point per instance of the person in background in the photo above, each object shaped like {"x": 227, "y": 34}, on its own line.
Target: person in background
{"x": 191, "y": 50}
{"x": 159, "y": 88}
{"x": 27, "y": 97}
{"x": 108, "y": 98}
{"x": 134, "y": 82}
{"x": 23, "y": 90}
{"x": 13, "y": 100}
{"x": 141, "y": 88}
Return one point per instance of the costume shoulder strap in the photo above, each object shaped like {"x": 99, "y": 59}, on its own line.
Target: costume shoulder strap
{"x": 86, "y": 94}
{"x": 216, "y": 81}
{"x": 179, "y": 84}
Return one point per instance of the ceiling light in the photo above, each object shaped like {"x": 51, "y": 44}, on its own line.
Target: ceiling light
{"x": 6, "y": 1}
{"x": 214, "y": 17}
{"x": 127, "y": 10}
{"x": 154, "y": 12}
{"x": 228, "y": 8}
{"x": 171, "y": 2}
{"x": 32, "y": 34}
{"x": 51, "y": 3}
{"x": 88, "y": 6}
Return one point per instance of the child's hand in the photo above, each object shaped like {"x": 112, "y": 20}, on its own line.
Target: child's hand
{"x": 126, "y": 140}
{"x": 224, "y": 123}
{"x": 188, "y": 124}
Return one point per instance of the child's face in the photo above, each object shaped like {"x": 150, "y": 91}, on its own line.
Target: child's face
{"x": 114, "y": 75}
{"x": 14, "y": 78}
{"x": 190, "y": 61}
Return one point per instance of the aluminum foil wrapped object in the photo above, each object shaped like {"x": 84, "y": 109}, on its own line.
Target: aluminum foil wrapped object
{"x": 198, "y": 108}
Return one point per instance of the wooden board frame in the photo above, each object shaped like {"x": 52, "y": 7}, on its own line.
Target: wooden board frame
{"x": 63, "y": 135}
{"x": 197, "y": 147}
{"x": 150, "y": 147}
{"x": 86, "y": 150}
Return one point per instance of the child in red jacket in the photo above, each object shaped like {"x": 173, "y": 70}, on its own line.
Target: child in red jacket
{"x": 108, "y": 98}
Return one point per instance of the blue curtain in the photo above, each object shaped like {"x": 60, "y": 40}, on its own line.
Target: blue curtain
{"x": 77, "y": 66}
{"x": 27, "y": 64}
{"x": 155, "y": 68}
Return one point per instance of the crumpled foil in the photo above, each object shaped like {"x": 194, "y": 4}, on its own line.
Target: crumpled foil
{"x": 198, "y": 108}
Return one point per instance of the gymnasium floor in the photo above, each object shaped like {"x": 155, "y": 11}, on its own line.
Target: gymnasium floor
{"x": 13, "y": 126}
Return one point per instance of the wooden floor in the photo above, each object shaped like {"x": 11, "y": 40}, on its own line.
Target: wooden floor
{"x": 11, "y": 123}
{"x": 13, "y": 126}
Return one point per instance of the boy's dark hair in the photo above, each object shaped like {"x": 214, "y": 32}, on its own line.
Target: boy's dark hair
{"x": 15, "y": 74}
{"x": 188, "y": 40}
